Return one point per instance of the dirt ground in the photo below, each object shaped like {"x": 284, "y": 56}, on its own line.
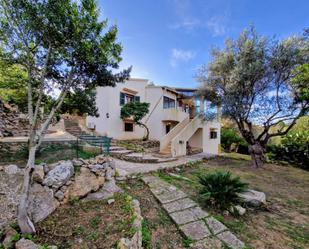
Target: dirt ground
{"x": 283, "y": 224}
{"x": 159, "y": 231}
{"x": 89, "y": 225}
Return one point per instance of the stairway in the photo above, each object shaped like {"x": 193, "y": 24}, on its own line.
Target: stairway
{"x": 174, "y": 143}
{"x": 73, "y": 128}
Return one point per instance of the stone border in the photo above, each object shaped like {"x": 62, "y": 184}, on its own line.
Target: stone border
{"x": 136, "y": 241}
{"x": 193, "y": 222}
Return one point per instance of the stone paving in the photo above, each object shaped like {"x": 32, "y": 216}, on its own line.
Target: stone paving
{"x": 192, "y": 221}
{"x": 126, "y": 168}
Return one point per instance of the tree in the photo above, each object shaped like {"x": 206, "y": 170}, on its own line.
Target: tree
{"x": 252, "y": 78}
{"x": 137, "y": 111}
{"x": 63, "y": 47}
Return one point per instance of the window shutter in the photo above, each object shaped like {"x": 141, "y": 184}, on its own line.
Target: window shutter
{"x": 137, "y": 99}
{"x": 122, "y": 98}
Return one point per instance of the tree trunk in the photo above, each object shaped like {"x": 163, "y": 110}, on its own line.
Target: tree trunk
{"x": 257, "y": 155}
{"x": 24, "y": 222}
{"x": 146, "y": 137}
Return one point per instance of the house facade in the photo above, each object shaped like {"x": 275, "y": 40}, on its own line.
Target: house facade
{"x": 174, "y": 117}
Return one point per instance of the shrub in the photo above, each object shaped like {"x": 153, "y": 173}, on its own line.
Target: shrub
{"x": 220, "y": 189}
{"x": 294, "y": 148}
{"x": 229, "y": 136}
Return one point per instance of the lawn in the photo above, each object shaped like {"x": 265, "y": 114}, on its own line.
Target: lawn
{"x": 283, "y": 223}
{"x": 93, "y": 224}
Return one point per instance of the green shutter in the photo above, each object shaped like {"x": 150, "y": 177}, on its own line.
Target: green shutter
{"x": 122, "y": 98}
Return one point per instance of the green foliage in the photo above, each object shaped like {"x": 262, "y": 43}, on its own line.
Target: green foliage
{"x": 137, "y": 111}
{"x": 80, "y": 102}
{"x": 187, "y": 242}
{"x": 301, "y": 82}
{"x": 294, "y": 148}
{"x": 146, "y": 234}
{"x": 228, "y": 137}
{"x": 220, "y": 189}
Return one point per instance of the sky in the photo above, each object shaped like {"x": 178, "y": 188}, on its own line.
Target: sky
{"x": 167, "y": 41}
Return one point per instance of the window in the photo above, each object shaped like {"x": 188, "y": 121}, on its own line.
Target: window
{"x": 168, "y": 103}
{"x": 128, "y": 127}
{"x": 213, "y": 134}
{"x": 127, "y": 98}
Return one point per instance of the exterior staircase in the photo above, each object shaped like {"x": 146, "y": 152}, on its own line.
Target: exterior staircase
{"x": 73, "y": 128}
{"x": 175, "y": 142}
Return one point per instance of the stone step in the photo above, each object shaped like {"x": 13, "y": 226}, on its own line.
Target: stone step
{"x": 120, "y": 152}
{"x": 113, "y": 148}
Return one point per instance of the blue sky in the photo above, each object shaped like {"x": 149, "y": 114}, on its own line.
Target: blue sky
{"x": 166, "y": 41}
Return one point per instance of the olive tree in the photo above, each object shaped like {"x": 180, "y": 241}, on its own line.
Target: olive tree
{"x": 63, "y": 47}
{"x": 255, "y": 80}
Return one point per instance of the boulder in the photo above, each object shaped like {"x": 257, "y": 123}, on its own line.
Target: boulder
{"x": 106, "y": 192}
{"x": 84, "y": 183}
{"x": 77, "y": 163}
{"x": 38, "y": 173}
{"x": 59, "y": 195}
{"x": 110, "y": 173}
{"x": 101, "y": 159}
{"x": 59, "y": 175}
{"x": 238, "y": 209}
{"x": 12, "y": 170}
{"x": 8, "y": 238}
{"x": 253, "y": 197}
{"x": 98, "y": 169}
{"x": 26, "y": 244}
{"x": 41, "y": 202}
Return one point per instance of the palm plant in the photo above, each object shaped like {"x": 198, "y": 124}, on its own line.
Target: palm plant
{"x": 220, "y": 189}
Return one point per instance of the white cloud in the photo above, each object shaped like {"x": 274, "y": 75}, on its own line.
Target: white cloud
{"x": 216, "y": 25}
{"x": 179, "y": 55}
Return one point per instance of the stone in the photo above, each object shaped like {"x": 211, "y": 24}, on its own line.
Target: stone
{"x": 231, "y": 240}
{"x": 238, "y": 209}
{"x": 179, "y": 205}
{"x": 109, "y": 173}
{"x": 59, "y": 195}
{"x": 166, "y": 196}
{"x": 253, "y": 197}
{"x": 77, "y": 163}
{"x": 12, "y": 169}
{"x": 110, "y": 201}
{"x": 59, "y": 175}
{"x": 215, "y": 226}
{"x": 208, "y": 243}
{"x": 38, "y": 173}
{"x": 7, "y": 242}
{"x": 98, "y": 169}
{"x": 41, "y": 202}
{"x": 188, "y": 215}
{"x": 45, "y": 168}
{"x": 85, "y": 182}
{"x": 26, "y": 244}
{"x": 101, "y": 159}
{"x": 106, "y": 192}
{"x": 195, "y": 230}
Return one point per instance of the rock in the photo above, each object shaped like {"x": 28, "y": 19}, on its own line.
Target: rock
{"x": 110, "y": 201}
{"x": 26, "y": 244}
{"x": 110, "y": 173}
{"x": 77, "y": 163}
{"x": 59, "y": 175}
{"x": 107, "y": 191}
{"x": 12, "y": 169}
{"x": 98, "y": 168}
{"x": 1, "y": 168}
{"x": 84, "y": 183}
{"x": 41, "y": 202}
{"x": 38, "y": 173}
{"x": 253, "y": 198}
{"x": 7, "y": 242}
{"x": 64, "y": 188}
{"x": 45, "y": 167}
{"x": 101, "y": 159}
{"x": 68, "y": 183}
{"x": 238, "y": 209}
{"x": 59, "y": 195}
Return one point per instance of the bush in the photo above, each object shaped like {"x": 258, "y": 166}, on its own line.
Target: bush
{"x": 229, "y": 136}
{"x": 294, "y": 148}
{"x": 220, "y": 189}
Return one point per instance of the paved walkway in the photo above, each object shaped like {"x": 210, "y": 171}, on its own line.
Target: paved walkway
{"x": 193, "y": 222}
{"x": 126, "y": 168}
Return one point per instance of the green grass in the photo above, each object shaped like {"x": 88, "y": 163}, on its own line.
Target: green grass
{"x": 146, "y": 234}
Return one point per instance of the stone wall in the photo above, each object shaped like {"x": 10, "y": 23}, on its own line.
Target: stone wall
{"x": 11, "y": 121}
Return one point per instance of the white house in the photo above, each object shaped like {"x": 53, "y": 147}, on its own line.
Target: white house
{"x": 172, "y": 119}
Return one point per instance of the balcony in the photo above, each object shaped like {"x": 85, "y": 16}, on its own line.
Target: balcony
{"x": 174, "y": 114}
